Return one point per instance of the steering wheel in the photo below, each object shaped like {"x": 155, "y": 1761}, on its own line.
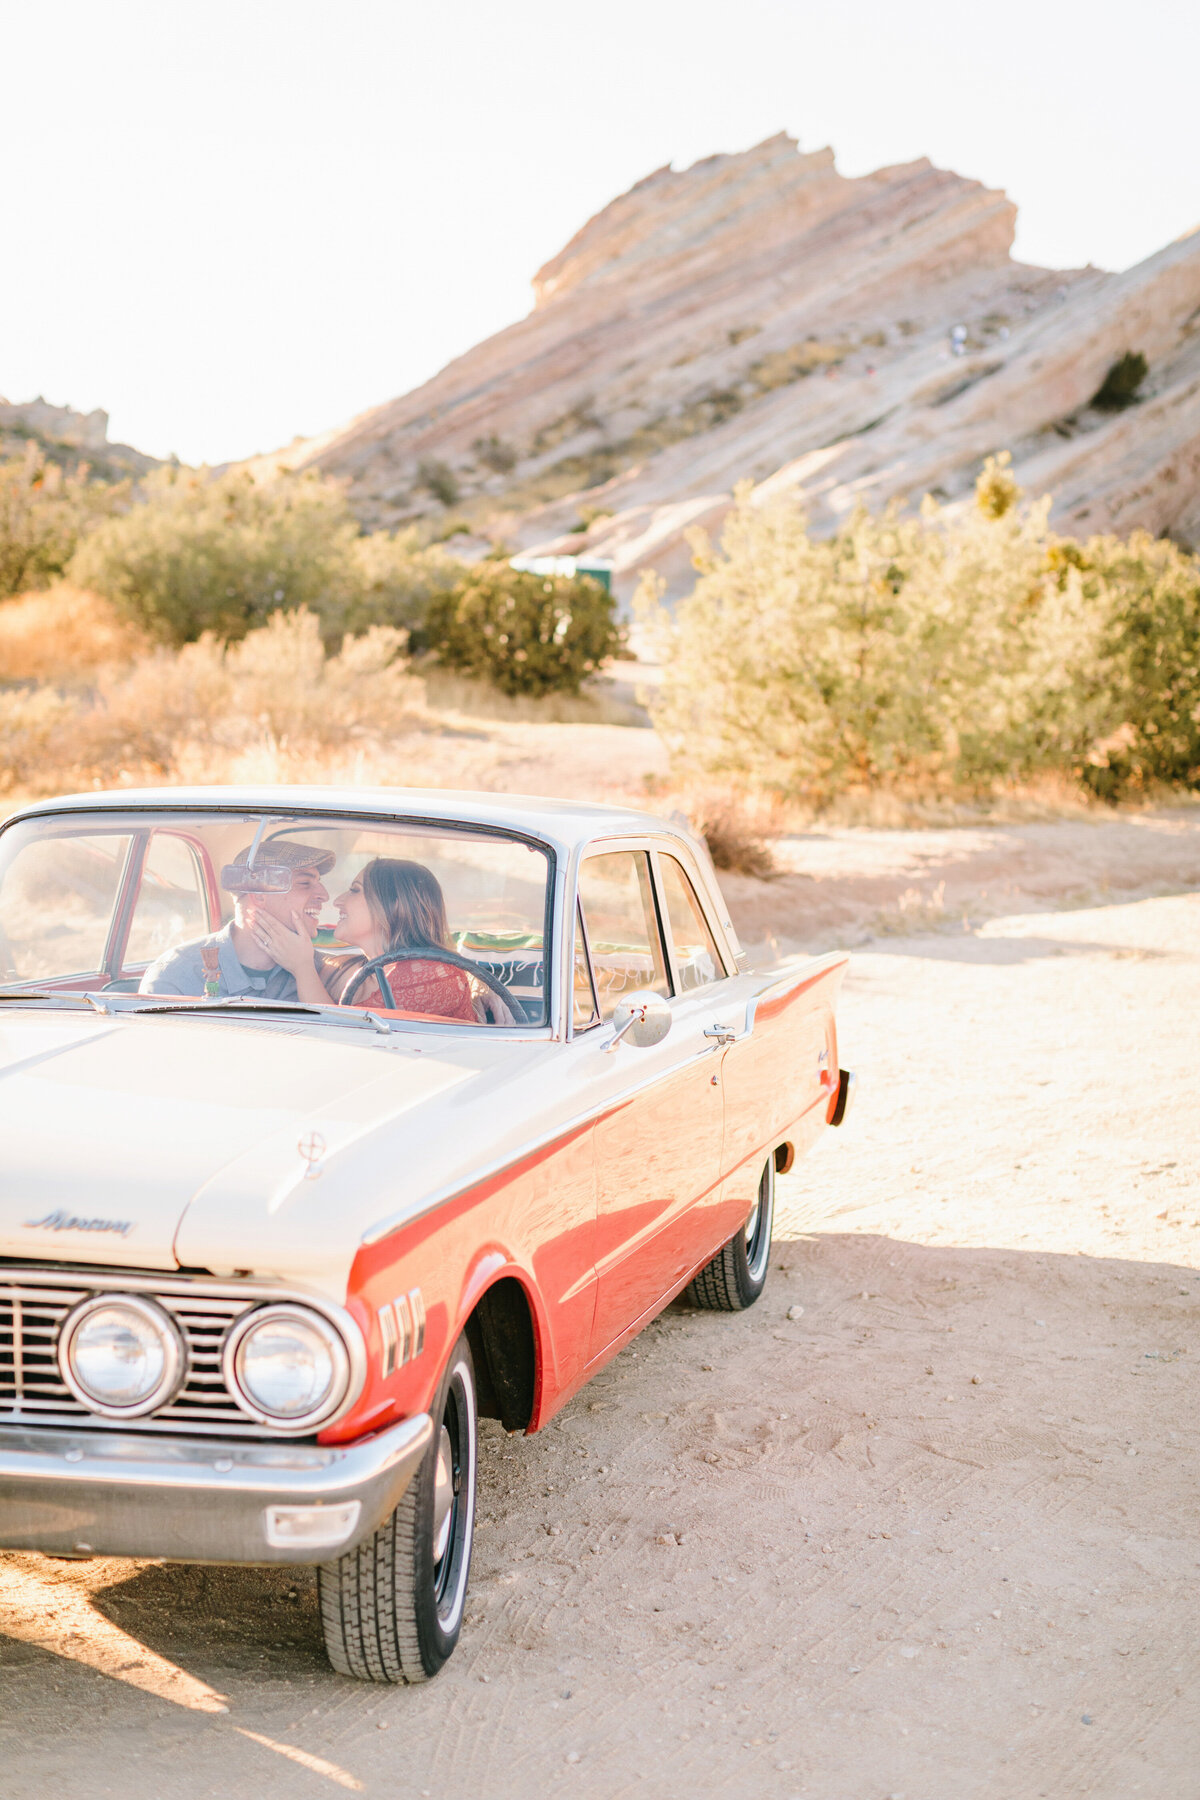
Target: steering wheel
{"x": 423, "y": 953}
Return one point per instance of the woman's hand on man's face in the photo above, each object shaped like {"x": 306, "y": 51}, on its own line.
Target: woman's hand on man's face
{"x": 292, "y": 948}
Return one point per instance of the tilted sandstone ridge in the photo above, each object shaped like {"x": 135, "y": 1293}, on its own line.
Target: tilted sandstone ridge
{"x": 761, "y": 317}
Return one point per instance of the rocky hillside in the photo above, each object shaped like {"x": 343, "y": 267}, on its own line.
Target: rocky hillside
{"x": 762, "y": 317}
{"x": 69, "y": 438}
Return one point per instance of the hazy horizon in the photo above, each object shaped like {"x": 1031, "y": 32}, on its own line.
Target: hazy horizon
{"x": 229, "y": 226}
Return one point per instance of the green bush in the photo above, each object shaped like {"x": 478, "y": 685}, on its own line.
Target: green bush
{"x": 1149, "y": 668}
{"x": 960, "y": 650}
{"x": 1119, "y": 388}
{"x": 43, "y": 514}
{"x": 525, "y": 633}
{"x": 199, "y": 553}
{"x": 495, "y": 453}
{"x": 393, "y": 578}
{"x": 439, "y": 479}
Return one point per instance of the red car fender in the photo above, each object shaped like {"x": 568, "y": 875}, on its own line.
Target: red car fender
{"x": 396, "y": 1268}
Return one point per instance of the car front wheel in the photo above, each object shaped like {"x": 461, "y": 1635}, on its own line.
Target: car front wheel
{"x": 392, "y": 1609}
{"x": 736, "y": 1276}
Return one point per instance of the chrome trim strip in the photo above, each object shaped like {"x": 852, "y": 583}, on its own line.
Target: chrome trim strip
{"x": 417, "y": 1300}
{"x": 405, "y": 1322}
{"x": 18, "y": 1348}
{"x": 387, "y": 1334}
{"x": 805, "y": 969}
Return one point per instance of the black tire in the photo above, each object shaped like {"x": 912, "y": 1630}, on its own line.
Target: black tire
{"x": 392, "y": 1609}
{"x": 737, "y": 1275}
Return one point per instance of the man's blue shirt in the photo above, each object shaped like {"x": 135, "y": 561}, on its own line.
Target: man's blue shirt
{"x": 181, "y": 971}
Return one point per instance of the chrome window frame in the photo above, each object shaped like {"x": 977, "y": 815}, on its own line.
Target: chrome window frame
{"x": 652, "y": 843}
{"x": 663, "y": 848}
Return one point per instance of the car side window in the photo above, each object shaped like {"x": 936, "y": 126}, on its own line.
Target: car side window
{"x": 171, "y": 904}
{"x": 583, "y": 1004}
{"x": 697, "y": 961}
{"x": 622, "y": 926}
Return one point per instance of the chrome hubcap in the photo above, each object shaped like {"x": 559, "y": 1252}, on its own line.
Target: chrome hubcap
{"x": 443, "y": 1496}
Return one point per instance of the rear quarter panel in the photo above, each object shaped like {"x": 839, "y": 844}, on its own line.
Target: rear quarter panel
{"x": 779, "y": 1078}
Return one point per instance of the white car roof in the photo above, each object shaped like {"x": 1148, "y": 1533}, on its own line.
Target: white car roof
{"x": 563, "y": 823}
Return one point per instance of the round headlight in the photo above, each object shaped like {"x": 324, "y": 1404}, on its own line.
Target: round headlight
{"x": 286, "y": 1365}
{"x": 121, "y": 1355}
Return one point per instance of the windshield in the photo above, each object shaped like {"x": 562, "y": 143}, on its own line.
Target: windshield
{"x": 440, "y": 923}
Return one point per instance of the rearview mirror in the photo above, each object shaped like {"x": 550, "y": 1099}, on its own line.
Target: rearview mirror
{"x": 642, "y": 1018}
{"x": 257, "y": 878}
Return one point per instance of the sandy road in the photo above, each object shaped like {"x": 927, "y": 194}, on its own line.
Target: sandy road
{"x": 937, "y": 1538}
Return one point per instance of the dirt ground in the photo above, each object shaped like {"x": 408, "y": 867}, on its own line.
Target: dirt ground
{"x": 925, "y": 1540}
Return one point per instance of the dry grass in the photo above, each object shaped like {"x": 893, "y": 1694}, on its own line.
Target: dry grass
{"x": 64, "y": 634}
{"x": 914, "y": 912}
{"x": 201, "y": 713}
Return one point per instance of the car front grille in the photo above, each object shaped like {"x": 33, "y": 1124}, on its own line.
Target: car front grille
{"x": 32, "y": 1392}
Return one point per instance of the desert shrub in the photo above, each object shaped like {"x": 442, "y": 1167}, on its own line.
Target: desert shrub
{"x": 181, "y": 714}
{"x": 736, "y": 840}
{"x": 1148, "y": 673}
{"x": 1120, "y": 386}
{"x": 64, "y": 635}
{"x": 996, "y": 491}
{"x": 954, "y": 650}
{"x": 393, "y": 578}
{"x": 200, "y": 553}
{"x": 781, "y": 367}
{"x": 495, "y": 453}
{"x": 44, "y": 512}
{"x": 524, "y": 633}
{"x": 438, "y": 479}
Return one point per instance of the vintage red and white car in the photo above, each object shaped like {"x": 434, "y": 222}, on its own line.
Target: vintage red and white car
{"x": 335, "y": 1119}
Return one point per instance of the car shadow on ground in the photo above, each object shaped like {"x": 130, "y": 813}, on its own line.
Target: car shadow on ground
{"x": 943, "y": 1436}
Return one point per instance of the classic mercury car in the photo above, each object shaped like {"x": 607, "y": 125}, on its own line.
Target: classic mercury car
{"x": 335, "y": 1119}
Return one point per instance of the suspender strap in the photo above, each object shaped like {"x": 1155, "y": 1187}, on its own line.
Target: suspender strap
{"x": 210, "y": 956}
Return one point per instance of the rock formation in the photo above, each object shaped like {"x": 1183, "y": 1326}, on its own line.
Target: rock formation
{"x": 69, "y": 437}
{"x": 762, "y": 317}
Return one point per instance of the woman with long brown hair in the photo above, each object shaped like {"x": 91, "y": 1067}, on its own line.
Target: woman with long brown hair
{"x": 393, "y": 906}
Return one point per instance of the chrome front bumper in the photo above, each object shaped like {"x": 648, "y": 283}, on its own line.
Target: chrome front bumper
{"x": 80, "y": 1493}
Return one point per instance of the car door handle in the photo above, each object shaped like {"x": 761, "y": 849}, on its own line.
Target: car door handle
{"x": 723, "y": 1034}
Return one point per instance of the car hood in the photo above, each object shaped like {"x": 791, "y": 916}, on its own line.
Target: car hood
{"x": 112, "y": 1128}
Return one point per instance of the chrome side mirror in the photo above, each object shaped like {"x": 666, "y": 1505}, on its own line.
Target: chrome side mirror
{"x": 643, "y": 1017}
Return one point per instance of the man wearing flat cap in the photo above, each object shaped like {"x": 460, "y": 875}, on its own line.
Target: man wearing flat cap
{"x": 235, "y": 963}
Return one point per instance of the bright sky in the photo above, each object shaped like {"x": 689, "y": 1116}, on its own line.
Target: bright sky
{"x": 230, "y": 222}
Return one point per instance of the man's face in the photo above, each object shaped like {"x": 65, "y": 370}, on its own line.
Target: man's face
{"x": 306, "y": 897}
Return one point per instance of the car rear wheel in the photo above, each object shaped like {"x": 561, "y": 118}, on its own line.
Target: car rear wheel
{"x": 392, "y": 1609}
{"x": 736, "y": 1276}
